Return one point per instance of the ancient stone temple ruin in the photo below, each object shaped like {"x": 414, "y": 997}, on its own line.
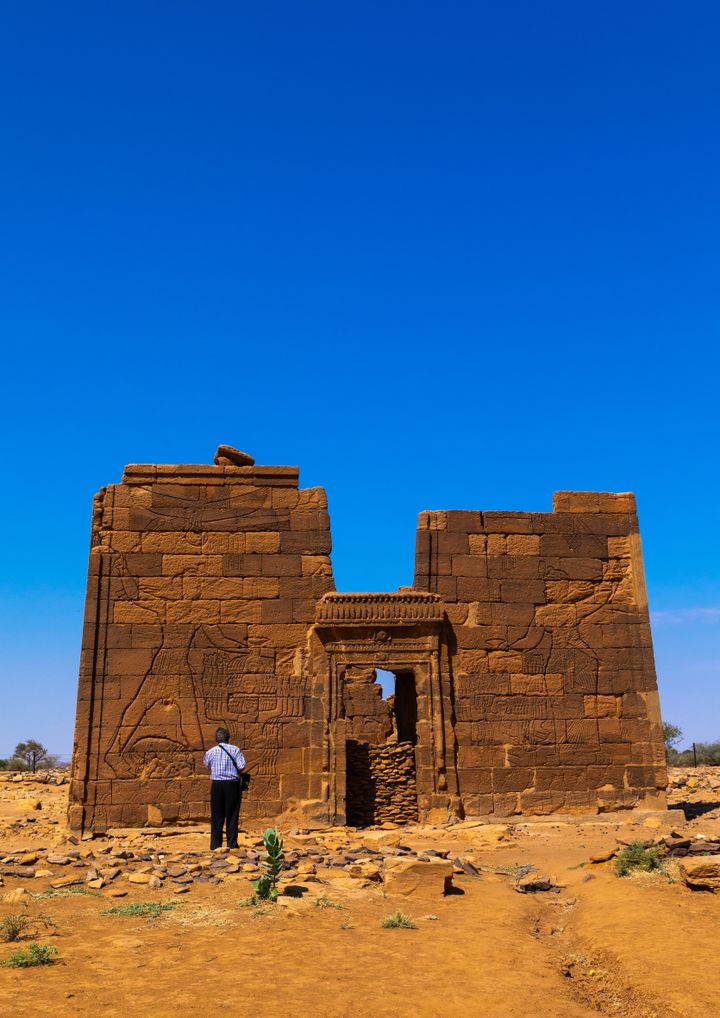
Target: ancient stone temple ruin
{"x": 522, "y": 657}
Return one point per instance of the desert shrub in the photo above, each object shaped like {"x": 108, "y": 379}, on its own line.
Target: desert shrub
{"x": 398, "y": 921}
{"x": 143, "y": 909}
{"x": 708, "y": 753}
{"x": 680, "y": 758}
{"x": 324, "y": 902}
{"x": 273, "y": 863}
{"x": 637, "y": 857}
{"x": 31, "y": 956}
{"x": 13, "y": 926}
{"x": 64, "y": 892}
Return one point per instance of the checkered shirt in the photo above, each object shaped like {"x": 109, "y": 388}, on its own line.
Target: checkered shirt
{"x": 221, "y": 768}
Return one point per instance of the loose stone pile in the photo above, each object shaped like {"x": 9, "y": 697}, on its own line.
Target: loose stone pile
{"x": 107, "y": 866}
{"x": 694, "y": 778}
{"x": 393, "y": 770}
{"x": 381, "y": 784}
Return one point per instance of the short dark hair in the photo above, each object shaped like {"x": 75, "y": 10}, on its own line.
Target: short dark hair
{"x": 222, "y": 735}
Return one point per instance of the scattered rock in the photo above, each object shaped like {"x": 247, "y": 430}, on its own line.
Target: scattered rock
{"x": 66, "y": 882}
{"x": 701, "y": 873}
{"x": 29, "y": 804}
{"x": 413, "y": 877}
{"x": 139, "y": 878}
{"x": 12, "y": 897}
{"x": 531, "y": 884}
{"x": 605, "y": 856}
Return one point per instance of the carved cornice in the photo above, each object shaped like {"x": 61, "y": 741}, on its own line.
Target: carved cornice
{"x": 406, "y": 608}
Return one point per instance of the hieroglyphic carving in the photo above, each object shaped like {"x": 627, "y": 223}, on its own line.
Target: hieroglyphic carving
{"x": 224, "y": 511}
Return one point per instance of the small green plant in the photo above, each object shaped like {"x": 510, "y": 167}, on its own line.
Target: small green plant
{"x": 12, "y": 927}
{"x": 143, "y": 909}
{"x": 324, "y": 902}
{"x": 398, "y": 921}
{"x": 31, "y": 956}
{"x": 273, "y": 863}
{"x": 517, "y": 870}
{"x": 637, "y": 857}
{"x": 64, "y": 892}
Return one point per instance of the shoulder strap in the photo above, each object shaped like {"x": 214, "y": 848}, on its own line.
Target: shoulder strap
{"x": 233, "y": 761}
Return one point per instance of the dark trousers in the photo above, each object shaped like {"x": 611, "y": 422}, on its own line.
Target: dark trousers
{"x": 225, "y": 799}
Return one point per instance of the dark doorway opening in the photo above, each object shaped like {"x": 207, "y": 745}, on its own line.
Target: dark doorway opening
{"x": 381, "y": 716}
{"x": 405, "y": 707}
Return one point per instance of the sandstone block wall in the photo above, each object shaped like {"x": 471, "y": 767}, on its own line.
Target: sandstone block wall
{"x": 523, "y": 655}
{"x": 203, "y": 581}
{"x": 554, "y": 689}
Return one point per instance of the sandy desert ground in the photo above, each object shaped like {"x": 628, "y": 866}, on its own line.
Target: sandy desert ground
{"x": 644, "y": 945}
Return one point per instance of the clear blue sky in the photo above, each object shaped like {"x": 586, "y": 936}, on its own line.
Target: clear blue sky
{"x": 439, "y": 255}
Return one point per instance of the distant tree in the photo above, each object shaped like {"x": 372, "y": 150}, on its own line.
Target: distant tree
{"x": 708, "y": 753}
{"x": 671, "y": 734}
{"x": 31, "y": 753}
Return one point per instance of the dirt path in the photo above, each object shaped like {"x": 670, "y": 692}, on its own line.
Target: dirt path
{"x": 636, "y": 948}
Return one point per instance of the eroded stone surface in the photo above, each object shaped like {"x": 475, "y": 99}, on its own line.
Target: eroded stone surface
{"x": 522, "y": 654}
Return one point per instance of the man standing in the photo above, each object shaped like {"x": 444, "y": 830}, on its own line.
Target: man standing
{"x": 226, "y": 763}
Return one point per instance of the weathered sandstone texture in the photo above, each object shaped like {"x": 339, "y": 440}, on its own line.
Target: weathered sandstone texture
{"x": 522, "y": 654}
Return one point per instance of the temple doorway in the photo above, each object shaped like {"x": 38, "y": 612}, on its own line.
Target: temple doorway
{"x": 381, "y": 718}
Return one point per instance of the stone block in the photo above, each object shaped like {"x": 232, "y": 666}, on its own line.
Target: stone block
{"x": 476, "y": 805}
{"x": 266, "y": 542}
{"x": 701, "y": 872}
{"x": 450, "y": 543}
{"x": 467, "y": 565}
{"x": 172, "y": 543}
{"x": 222, "y": 543}
{"x": 508, "y": 523}
{"x": 281, "y": 565}
{"x": 528, "y": 591}
{"x": 464, "y": 521}
{"x": 193, "y": 611}
{"x": 413, "y": 878}
{"x": 242, "y": 565}
{"x": 477, "y": 544}
{"x": 471, "y": 588}
{"x": 511, "y": 779}
{"x": 139, "y": 611}
{"x": 481, "y": 756}
{"x": 523, "y": 544}
{"x": 140, "y": 564}
{"x": 507, "y": 804}
{"x": 515, "y": 567}
{"x": 192, "y": 565}
{"x": 276, "y": 610}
